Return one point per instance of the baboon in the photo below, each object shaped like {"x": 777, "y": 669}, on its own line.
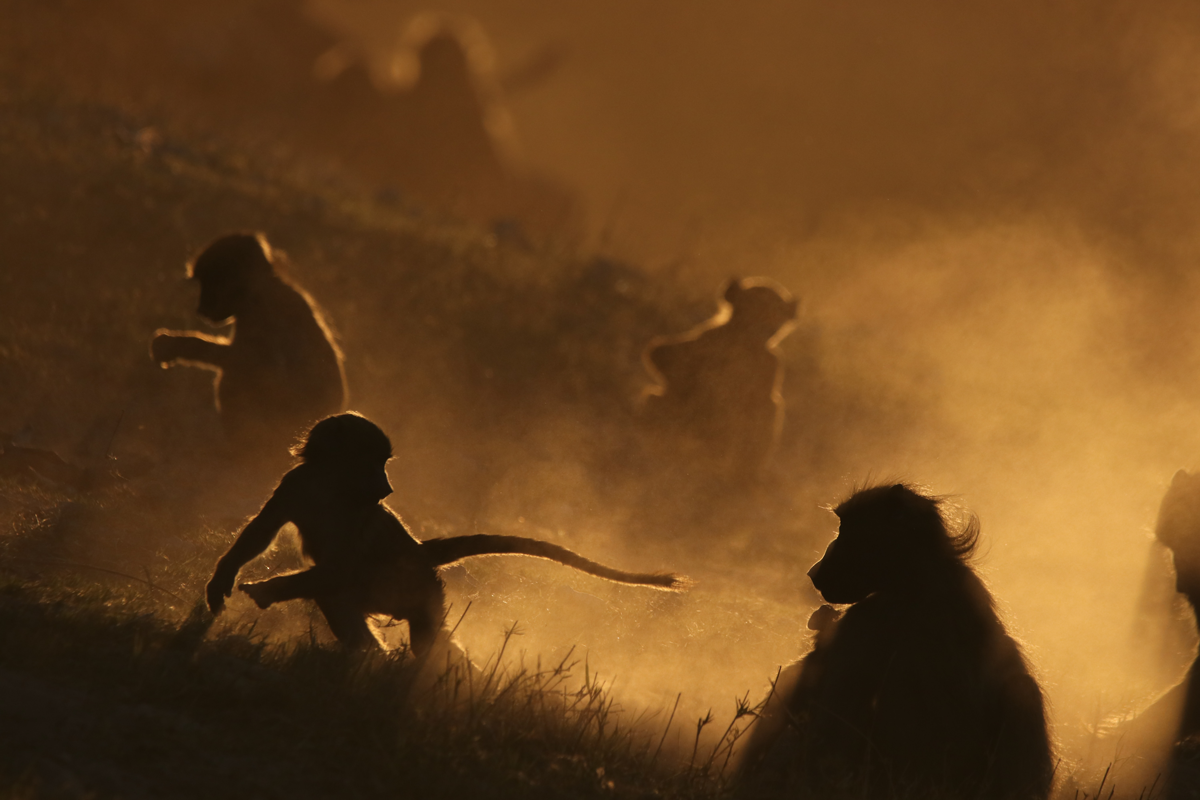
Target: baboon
{"x": 1178, "y": 529}
{"x": 917, "y": 690}
{"x": 1178, "y": 710}
{"x": 432, "y": 124}
{"x": 365, "y": 561}
{"x": 280, "y": 370}
{"x": 721, "y": 383}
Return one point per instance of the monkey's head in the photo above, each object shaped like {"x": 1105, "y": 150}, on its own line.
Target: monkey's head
{"x": 1178, "y": 527}
{"x": 760, "y": 305}
{"x": 228, "y": 270}
{"x": 443, "y": 56}
{"x": 353, "y": 451}
{"x": 890, "y": 537}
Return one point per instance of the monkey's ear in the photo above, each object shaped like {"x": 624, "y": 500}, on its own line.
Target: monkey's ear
{"x": 1180, "y": 477}
{"x": 794, "y": 307}
{"x": 732, "y": 290}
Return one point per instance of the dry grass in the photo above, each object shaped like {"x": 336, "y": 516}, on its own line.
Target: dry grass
{"x": 105, "y": 696}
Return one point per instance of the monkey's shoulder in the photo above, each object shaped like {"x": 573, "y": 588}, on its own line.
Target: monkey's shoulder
{"x": 385, "y": 526}
{"x": 886, "y": 623}
{"x": 300, "y": 482}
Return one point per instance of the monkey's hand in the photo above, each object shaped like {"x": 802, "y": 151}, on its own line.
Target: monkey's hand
{"x": 220, "y": 587}
{"x": 261, "y": 592}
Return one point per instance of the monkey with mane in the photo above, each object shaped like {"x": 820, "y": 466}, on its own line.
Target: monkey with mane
{"x": 280, "y": 371}
{"x": 917, "y": 689}
{"x": 365, "y": 561}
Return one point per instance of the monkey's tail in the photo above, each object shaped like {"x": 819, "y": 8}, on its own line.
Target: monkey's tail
{"x": 444, "y": 552}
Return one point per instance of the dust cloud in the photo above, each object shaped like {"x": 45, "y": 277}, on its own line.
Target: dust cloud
{"x": 989, "y": 216}
{"x": 989, "y": 212}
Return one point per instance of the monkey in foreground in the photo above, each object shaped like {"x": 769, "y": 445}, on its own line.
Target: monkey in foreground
{"x": 280, "y": 371}
{"x": 917, "y": 690}
{"x": 364, "y": 560}
{"x": 722, "y": 382}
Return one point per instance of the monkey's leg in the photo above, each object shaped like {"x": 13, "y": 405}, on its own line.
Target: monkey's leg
{"x": 306, "y": 584}
{"x": 347, "y": 621}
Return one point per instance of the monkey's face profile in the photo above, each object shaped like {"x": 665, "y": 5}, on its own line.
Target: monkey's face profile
{"x": 890, "y": 537}
{"x": 352, "y": 453}
{"x": 882, "y": 543}
{"x": 857, "y": 563}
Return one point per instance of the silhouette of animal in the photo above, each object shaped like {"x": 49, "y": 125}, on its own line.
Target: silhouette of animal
{"x": 432, "y": 123}
{"x": 365, "y": 561}
{"x": 1178, "y": 710}
{"x": 280, "y": 371}
{"x": 721, "y": 383}
{"x": 917, "y": 690}
{"x": 1178, "y": 527}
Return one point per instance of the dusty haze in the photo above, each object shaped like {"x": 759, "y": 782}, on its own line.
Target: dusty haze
{"x": 989, "y": 217}
{"x": 991, "y": 208}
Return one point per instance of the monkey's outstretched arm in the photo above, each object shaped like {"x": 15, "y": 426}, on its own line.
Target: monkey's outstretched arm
{"x": 169, "y": 347}
{"x": 252, "y": 541}
{"x": 443, "y": 552}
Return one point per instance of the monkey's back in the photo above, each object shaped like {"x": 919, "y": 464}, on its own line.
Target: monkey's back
{"x": 283, "y": 373}
{"x": 397, "y": 578}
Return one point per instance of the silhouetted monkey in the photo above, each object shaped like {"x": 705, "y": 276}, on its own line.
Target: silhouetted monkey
{"x": 721, "y": 382}
{"x": 1178, "y": 528}
{"x": 916, "y": 690}
{"x": 365, "y": 561}
{"x": 280, "y": 371}
{"x": 433, "y": 125}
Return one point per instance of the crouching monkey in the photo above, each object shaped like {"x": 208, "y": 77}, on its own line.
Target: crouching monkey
{"x": 364, "y": 560}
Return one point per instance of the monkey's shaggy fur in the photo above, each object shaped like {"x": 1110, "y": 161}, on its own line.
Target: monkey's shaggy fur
{"x": 917, "y": 689}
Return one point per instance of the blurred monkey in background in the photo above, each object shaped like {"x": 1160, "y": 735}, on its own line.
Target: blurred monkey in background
{"x": 279, "y": 371}
{"x": 721, "y": 383}
{"x": 431, "y": 122}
